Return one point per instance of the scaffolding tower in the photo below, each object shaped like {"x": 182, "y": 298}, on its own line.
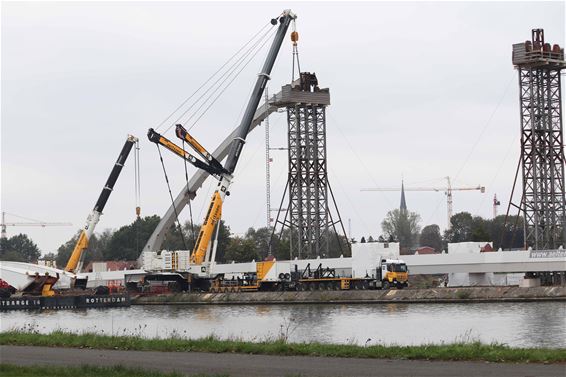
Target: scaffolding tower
{"x": 308, "y": 214}
{"x": 542, "y": 148}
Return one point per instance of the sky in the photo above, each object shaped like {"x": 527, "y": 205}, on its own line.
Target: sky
{"x": 419, "y": 91}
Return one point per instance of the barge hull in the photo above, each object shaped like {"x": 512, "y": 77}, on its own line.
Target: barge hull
{"x": 64, "y": 302}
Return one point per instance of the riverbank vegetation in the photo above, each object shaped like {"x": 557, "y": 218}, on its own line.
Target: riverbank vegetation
{"x": 8, "y": 370}
{"x": 462, "y": 350}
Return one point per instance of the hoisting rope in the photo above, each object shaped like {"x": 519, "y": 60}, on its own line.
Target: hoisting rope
{"x": 210, "y": 78}
{"x": 137, "y": 191}
{"x": 171, "y": 196}
{"x": 214, "y": 75}
{"x": 230, "y": 76}
{"x": 190, "y": 207}
{"x": 295, "y": 39}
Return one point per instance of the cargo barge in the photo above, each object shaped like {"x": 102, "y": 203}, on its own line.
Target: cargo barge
{"x": 62, "y": 302}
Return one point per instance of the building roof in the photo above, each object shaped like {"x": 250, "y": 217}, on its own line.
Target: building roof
{"x": 425, "y": 250}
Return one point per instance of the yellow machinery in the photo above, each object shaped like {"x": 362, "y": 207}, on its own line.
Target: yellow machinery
{"x": 75, "y": 260}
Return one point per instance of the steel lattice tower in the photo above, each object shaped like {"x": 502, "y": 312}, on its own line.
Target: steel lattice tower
{"x": 308, "y": 184}
{"x": 542, "y": 148}
{"x": 308, "y": 214}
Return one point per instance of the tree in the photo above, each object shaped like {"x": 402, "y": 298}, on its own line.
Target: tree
{"x": 506, "y": 235}
{"x": 241, "y": 250}
{"x": 466, "y": 228}
{"x": 402, "y": 226}
{"x": 19, "y": 248}
{"x": 461, "y": 225}
{"x": 95, "y": 252}
{"x": 261, "y": 237}
{"x": 430, "y": 236}
{"x": 479, "y": 229}
{"x": 127, "y": 242}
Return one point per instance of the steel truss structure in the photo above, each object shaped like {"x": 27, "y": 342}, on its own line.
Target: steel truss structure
{"x": 543, "y": 202}
{"x": 308, "y": 214}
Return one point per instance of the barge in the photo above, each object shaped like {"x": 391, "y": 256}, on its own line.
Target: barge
{"x": 64, "y": 302}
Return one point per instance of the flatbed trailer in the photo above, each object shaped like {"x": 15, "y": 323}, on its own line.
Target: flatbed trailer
{"x": 333, "y": 284}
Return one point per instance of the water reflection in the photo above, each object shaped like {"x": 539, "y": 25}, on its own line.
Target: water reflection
{"x": 534, "y": 324}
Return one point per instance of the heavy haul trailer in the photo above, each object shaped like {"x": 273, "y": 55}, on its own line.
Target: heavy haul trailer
{"x": 371, "y": 266}
{"x": 277, "y": 276}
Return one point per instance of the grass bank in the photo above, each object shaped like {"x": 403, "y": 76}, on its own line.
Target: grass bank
{"x": 469, "y": 351}
{"x": 8, "y": 370}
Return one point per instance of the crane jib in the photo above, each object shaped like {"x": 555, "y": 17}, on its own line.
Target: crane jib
{"x": 263, "y": 77}
{"x": 105, "y": 194}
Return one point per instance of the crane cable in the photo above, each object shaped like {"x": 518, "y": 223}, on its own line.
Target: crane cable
{"x": 137, "y": 191}
{"x": 210, "y": 78}
{"x": 295, "y": 39}
{"x": 171, "y": 196}
{"x": 237, "y": 74}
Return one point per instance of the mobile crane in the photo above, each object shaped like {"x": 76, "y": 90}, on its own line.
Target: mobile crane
{"x": 199, "y": 259}
{"x": 75, "y": 260}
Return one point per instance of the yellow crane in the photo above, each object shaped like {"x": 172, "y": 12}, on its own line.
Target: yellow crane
{"x": 200, "y": 255}
{"x": 75, "y": 260}
{"x": 447, "y": 190}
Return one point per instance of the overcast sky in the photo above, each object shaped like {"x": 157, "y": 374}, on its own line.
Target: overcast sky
{"x": 418, "y": 90}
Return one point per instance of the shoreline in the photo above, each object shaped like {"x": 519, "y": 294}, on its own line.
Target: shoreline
{"x": 457, "y": 351}
{"x": 407, "y": 296}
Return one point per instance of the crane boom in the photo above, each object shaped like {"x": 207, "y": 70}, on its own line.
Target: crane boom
{"x": 184, "y": 135}
{"x": 214, "y": 212}
{"x": 263, "y": 77}
{"x": 162, "y": 140}
{"x": 75, "y": 260}
{"x": 437, "y": 189}
{"x": 215, "y": 208}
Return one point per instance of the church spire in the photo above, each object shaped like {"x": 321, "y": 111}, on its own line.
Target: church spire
{"x": 403, "y": 206}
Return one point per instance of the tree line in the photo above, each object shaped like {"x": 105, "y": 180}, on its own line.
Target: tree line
{"x": 404, "y": 227}
{"x": 400, "y": 226}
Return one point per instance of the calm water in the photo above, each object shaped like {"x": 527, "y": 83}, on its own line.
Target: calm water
{"x": 516, "y": 324}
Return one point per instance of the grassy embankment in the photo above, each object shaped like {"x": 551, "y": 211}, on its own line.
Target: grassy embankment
{"x": 465, "y": 350}
{"x": 83, "y": 371}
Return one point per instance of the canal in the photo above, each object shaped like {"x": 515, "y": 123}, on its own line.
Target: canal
{"x": 521, "y": 324}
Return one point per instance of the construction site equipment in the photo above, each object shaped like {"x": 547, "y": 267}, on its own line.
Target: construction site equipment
{"x": 202, "y": 253}
{"x": 32, "y": 222}
{"x": 543, "y": 201}
{"x": 389, "y": 273}
{"x": 75, "y": 260}
{"x": 448, "y": 189}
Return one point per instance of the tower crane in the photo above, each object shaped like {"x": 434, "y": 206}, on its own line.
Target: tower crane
{"x": 446, "y": 189}
{"x": 3, "y": 233}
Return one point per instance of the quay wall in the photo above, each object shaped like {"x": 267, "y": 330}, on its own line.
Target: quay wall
{"x": 432, "y": 295}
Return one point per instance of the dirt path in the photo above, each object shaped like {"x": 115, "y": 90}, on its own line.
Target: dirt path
{"x": 263, "y": 365}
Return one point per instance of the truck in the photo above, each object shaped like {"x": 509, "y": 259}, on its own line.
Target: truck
{"x": 280, "y": 276}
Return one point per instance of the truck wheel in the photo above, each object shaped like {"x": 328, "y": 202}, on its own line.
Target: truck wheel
{"x": 386, "y": 285}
